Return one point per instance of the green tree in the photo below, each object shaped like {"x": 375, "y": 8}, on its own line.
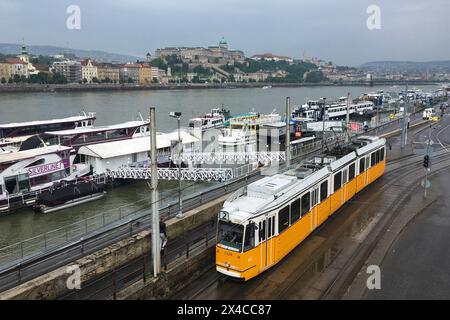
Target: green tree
{"x": 3, "y": 80}
{"x": 130, "y": 80}
{"x": 95, "y": 80}
{"x": 41, "y": 77}
{"x": 85, "y": 80}
{"x": 58, "y": 79}
{"x": 314, "y": 76}
{"x": 10, "y": 80}
{"x": 159, "y": 63}
{"x": 185, "y": 68}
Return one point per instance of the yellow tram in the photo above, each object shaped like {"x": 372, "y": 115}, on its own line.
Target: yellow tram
{"x": 262, "y": 222}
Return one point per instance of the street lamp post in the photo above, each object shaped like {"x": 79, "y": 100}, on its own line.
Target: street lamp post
{"x": 177, "y": 115}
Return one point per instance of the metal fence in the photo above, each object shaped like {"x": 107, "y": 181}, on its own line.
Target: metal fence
{"x": 110, "y": 284}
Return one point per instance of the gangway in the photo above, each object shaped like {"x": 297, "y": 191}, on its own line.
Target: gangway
{"x": 213, "y": 157}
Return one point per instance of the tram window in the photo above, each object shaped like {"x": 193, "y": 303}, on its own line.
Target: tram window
{"x": 362, "y": 165}
{"x": 372, "y": 159}
{"x": 344, "y": 176}
{"x": 314, "y": 198}
{"x": 305, "y": 203}
{"x": 249, "y": 240}
{"x": 351, "y": 172}
{"x": 271, "y": 228}
{"x": 262, "y": 231}
{"x": 377, "y": 156}
{"x": 337, "y": 181}
{"x": 283, "y": 219}
{"x": 273, "y": 225}
{"x": 381, "y": 154}
{"x": 295, "y": 210}
{"x": 323, "y": 191}
{"x": 230, "y": 234}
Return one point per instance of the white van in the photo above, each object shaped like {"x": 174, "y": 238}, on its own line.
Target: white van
{"x": 428, "y": 113}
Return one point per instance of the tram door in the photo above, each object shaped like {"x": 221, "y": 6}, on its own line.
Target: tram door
{"x": 267, "y": 250}
{"x": 314, "y": 209}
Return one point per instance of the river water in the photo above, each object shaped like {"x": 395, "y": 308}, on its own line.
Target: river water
{"x": 119, "y": 106}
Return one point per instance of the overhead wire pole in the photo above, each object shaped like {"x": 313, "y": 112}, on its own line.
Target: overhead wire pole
{"x": 427, "y": 155}
{"x": 405, "y": 120}
{"x": 323, "y": 128}
{"x": 156, "y": 246}
{"x": 177, "y": 115}
{"x": 347, "y": 118}
{"x": 288, "y": 132}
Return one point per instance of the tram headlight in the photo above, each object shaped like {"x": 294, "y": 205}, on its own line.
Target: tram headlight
{"x": 227, "y": 264}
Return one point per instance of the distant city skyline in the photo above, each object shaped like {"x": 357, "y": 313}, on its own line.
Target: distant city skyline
{"x": 409, "y": 30}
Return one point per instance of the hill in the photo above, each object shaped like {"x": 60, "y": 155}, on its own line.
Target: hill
{"x": 407, "y": 66}
{"x": 10, "y": 48}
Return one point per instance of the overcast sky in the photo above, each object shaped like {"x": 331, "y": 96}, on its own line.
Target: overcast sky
{"x": 331, "y": 30}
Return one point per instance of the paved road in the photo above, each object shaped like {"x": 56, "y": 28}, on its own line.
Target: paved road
{"x": 417, "y": 266}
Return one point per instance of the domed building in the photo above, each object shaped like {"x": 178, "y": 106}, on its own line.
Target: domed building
{"x": 223, "y": 44}
{"x": 23, "y": 56}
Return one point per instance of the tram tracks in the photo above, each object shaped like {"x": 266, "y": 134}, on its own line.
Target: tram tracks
{"x": 392, "y": 178}
{"x": 349, "y": 268}
{"x": 340, "y": 283}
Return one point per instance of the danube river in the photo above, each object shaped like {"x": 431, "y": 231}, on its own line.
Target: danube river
{"x": 119, "y": 106}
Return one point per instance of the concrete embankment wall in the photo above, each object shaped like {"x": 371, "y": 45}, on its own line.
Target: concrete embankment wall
{"x": 54, "y": 284}
{"x": 28, "y": 87}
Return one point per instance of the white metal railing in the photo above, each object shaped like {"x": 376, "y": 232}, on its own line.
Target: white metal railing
{"x": 210, "y": 157}
{"x": 192, "y": 174}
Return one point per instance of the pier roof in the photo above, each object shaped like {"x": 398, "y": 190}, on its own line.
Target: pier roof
{"x": 125, "y": 147}
{"x": 124, "y": 125}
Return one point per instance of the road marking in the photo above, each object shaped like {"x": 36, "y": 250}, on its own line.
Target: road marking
{"x": 439, "y": 140}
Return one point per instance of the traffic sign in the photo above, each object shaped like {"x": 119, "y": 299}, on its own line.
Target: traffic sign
{"x": 425, "y": 183}
{"x": 391, "y": 116}
{"x": 435, "y": 118}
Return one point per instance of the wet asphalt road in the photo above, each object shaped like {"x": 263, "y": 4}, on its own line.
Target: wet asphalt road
{"x": 417, "y": 266}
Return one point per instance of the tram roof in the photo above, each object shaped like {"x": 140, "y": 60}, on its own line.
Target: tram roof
{"x": 271, "y": 192}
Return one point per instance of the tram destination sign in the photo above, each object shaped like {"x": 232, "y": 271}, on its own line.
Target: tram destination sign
{"x": 224, "y": 215}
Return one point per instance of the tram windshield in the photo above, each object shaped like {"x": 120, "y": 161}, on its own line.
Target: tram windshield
{"x": 230, "y": 234}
